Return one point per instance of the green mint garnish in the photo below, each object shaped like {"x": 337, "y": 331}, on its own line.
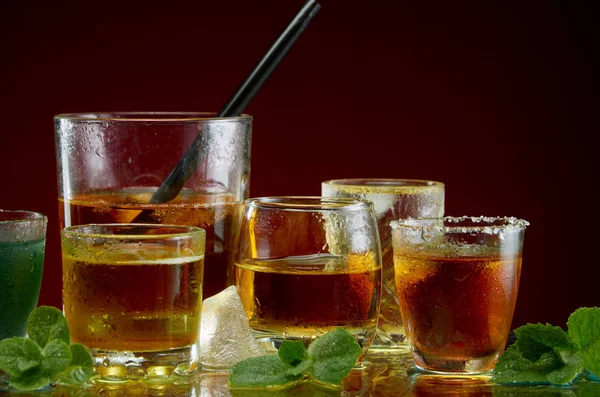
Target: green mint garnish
{"x": 45, "y": 356}
{"x": 261, "y": 371}
{"x": 80, "y": 368}
{"x": 47, "y": 323}
{"x": 544, "y": 354}
{"x": 292, "y": 352}
{"x": 334, "y": 354}
{"x": 328, "y": 359}
{"x": 584, "y": 329}
{"x": 18, "y": 355}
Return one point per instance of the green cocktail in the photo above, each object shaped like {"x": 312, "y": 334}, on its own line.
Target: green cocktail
{"x": 22, "y": 243}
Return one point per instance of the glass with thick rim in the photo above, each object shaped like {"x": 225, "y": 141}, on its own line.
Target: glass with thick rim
{"x": 110, "y": 164}
{"x": 133, "y": 294}
{"x": 305, "y": 265}
{"x": 22, "y": 247}
{"x": 457, "y": 280}
{"x": 392, "y": 199}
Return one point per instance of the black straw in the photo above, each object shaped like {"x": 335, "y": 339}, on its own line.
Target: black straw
{"x": 171, "y": 186}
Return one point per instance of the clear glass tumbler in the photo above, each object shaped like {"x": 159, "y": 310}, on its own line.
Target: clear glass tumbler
{"x": 133, "y": 295}
{"x": 110, "y": 164}
{"x": 305, "y": 265}
{"x": 392, "y": 199}
{"x": 457, "y": 281}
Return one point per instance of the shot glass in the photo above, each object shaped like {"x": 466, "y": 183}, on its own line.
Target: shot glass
{"x": 457, "y": 281}
{"x": 22, "y": 246}
{"x": 111, "y": 164}
{"x": 392, "y": 199}
{"x": 305, "y": 265}
{"x": 133, "y": 295}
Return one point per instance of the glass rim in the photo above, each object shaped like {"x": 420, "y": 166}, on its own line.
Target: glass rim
{"x": 156, "y": 117}
{"x": 29, "y": 217}
{"x": 308, "y": 203}
{"x": 77, "y": 231}
{"x": 384, "y": 184}
{"x": 455, "y": 224}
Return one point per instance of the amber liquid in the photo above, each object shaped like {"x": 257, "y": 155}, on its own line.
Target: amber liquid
{"x": 218, "y": 214}
{"x": 304, "y": 297}
{"x": 457, "y": 308}
{"x": 126, "y": 303}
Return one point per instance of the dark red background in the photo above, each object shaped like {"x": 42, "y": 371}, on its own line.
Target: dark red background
{"x": 495, "y": 100}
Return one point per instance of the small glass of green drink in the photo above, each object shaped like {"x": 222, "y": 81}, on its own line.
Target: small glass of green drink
{"x": 22, "y": 244}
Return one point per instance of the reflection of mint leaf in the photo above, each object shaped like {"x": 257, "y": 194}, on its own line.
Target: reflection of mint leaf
{"x": 584, "y": 329}
{"x": 535, "y": 339}
{"x": 80, "y": 368}
{"x": 45, "y": 324}
{"x": 333, "y": 354}
{"x": 292, "y": 352}
{"x": 260, "y": 371}
{"x": 18, "y": 355}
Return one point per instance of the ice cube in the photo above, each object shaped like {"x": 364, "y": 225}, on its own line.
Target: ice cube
{"x": 225, "y": 334}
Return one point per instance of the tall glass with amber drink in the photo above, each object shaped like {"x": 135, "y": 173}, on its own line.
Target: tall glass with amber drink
{"x": 111, "y": 164}
{"x": 132, "y": 294}
{"x": 392, "y": 199}
{"x": 305, "y": 265}
{"x": 457, "y": 281}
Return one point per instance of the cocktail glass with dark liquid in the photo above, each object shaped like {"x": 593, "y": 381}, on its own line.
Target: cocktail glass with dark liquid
{"x": 110, "y": 164}
{"x": 305, "y": 265}
{"x": 457, "y": 281}
{"x": 392, "y": 199}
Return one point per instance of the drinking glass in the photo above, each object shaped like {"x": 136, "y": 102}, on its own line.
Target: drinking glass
{"x": 22, "y": 246}
{"x": 305, "y": 265}
{"x": 133, "y": 294}
{"x": 457, "y": 281}
{"x": 392, "y": 199}
{"x": 110, "y": 164}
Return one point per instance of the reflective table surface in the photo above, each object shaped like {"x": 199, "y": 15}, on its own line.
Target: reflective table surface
{"x": 381, "y": 376}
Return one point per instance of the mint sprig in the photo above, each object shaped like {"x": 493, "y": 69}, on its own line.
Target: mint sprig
{"x": 545, "y": 354}
{"x": 328, "y": 359}
{"x": 45, "y": 356}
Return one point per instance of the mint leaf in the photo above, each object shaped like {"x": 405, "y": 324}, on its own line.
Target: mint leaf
{"x": 261, "y": 371}
{"x": 80, "y": 368}
{"x": 45, "y": 324}
{"x": 513, "y": 368}
{"x": 292, "y": 352}
{"x": 535, "y": 339}
{"x": 19, "y": 355}
{"x": 571, "y": 369}
{"x": 333, "y": 354}
{"x": 584, "y": 329}
{"x": 300, "y": 369}
{"x": 551, "y": 367}
{"x": 55, "y": 358}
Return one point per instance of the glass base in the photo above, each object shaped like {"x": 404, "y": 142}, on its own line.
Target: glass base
{"x": 117, "y": 366}
{"x": 392, "y": 339}
{"x": 459, "y": 366}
